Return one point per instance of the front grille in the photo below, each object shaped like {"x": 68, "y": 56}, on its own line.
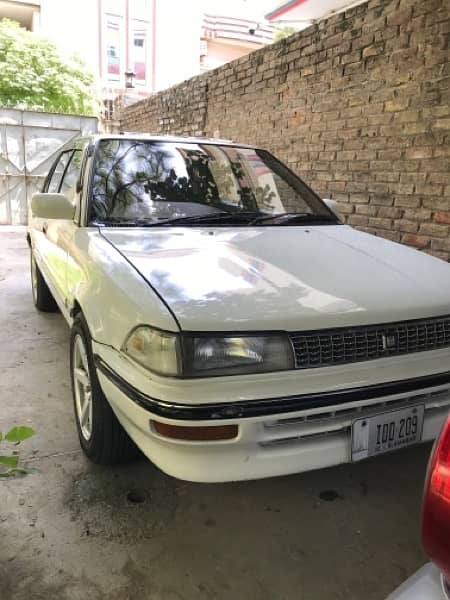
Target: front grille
{"x": 337, "y": 422}
{"x": 329, "y": 347}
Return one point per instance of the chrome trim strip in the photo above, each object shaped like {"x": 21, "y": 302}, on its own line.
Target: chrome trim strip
{"x": 267, "y": 406}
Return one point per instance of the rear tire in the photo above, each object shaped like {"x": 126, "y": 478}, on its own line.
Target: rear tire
{"x": 42, "y": 296}
{"x": 102, "y": 437}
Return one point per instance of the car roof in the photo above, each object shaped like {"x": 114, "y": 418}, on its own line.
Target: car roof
{"x": 80, "y": 141}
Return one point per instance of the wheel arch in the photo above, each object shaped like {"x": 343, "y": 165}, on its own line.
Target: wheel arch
{"x": 76, "y": 309}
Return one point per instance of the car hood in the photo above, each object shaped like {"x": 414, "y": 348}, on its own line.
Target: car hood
{"x": 284, "y": 277}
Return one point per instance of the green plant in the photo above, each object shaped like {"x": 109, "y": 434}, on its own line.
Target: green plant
{"x": 34, "y": 76}
{"x": 10, "y": 462}
{"x": 283, "y": 32}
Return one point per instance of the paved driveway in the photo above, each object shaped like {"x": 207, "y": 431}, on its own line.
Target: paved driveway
{"x": 76, "y": 531}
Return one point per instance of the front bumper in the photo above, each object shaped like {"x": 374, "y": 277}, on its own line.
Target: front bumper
{"x": 277, "y": 436}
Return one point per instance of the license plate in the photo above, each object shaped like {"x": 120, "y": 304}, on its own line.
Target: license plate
{"x": 387, "y": 432}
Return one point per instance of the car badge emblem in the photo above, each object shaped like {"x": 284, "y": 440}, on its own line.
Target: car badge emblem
{"x": 388, "y": 341}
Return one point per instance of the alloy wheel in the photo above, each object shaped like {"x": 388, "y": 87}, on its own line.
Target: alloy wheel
{"x": 82, "y": 387}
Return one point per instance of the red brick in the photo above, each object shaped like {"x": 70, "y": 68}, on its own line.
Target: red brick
{"x": 418, "y": 241}
{"x": 442, "y": 217}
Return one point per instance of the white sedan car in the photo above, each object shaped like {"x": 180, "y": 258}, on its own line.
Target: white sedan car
{"x": 223, "y": 318}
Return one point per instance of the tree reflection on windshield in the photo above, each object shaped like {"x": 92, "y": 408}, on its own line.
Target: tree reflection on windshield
{"x": 138, "y": 179}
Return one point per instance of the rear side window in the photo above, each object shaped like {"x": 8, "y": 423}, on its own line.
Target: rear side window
{"x": 70, "y": 177}
{"x": 58, "y": 172}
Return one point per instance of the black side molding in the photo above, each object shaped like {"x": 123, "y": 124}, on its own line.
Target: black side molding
{"x": 267, "y": 406}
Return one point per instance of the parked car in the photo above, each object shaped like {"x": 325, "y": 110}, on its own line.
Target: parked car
{"x": 432, "y": 581}
{"x": 225, "y": 320}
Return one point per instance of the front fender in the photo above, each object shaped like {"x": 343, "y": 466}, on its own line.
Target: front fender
{"x": 112, "y": 295}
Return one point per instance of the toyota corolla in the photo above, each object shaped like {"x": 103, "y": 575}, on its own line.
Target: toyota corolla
{"x": 224, "y": 320}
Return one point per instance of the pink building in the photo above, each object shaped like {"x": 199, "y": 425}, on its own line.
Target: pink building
{"x": 302, "y": 13}
{"x": 226, "y": 38}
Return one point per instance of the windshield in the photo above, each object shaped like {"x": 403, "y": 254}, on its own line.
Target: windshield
{"x": 157, "y": 181}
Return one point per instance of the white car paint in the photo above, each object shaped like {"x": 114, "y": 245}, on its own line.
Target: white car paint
{"x": 425, "y": 584}
{"x": 246, "y": 279}
{"x": 272, "y": 445}
{"x": 284, "y": 278}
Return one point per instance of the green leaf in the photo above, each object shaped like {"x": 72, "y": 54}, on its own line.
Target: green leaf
{"x": 9, "y": 461}
{"x": 14, "y": 472}
{"x": 18, "y": 471}
{"x": 1, "y": 436}
{"x": 34, "y": 74}
{"x": 18, "y": 434}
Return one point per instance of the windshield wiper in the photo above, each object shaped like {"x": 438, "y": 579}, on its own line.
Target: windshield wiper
{"x": 210, "y": 218}
{"x": 239, "y": 217}
{"x": 118, "y": 222}
{"x": 291, "y": 217}
{"x": 219, "y": 216}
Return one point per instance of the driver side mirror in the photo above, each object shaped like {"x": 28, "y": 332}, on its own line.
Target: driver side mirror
{"x": 332, "y": 205}
{"x": 52, "y": 206}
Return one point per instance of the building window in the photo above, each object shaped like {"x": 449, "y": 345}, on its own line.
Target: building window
{"x": 113, "y": 47}
{"x": 139, "y": 55}
{"x": 108, "y": 109}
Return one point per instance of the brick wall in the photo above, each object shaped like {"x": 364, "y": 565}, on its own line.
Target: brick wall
{"x": 358, "y": 105}
{"x": 179, "y": 110}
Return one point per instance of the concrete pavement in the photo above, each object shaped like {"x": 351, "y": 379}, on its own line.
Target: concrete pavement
{"x": 75, "y": 531}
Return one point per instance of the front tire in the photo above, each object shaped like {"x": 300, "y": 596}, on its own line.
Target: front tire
{"x": 42, "y": 296}
{"x": 102, "y": 437}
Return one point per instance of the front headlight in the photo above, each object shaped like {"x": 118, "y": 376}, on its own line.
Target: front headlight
{"x": 155, "y": 350}
{"x": 213, "y": 355}
{"x": 206, "y": 355}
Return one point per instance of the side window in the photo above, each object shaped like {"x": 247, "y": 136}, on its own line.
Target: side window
{"x": 55, "y": 180}
{"x": 71, "y": 175}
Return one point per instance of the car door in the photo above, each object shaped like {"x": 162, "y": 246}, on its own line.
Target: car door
{"x": 44, "y": 233}
{"x": 51, "y": 235}
{"x": 67, "y": 229}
